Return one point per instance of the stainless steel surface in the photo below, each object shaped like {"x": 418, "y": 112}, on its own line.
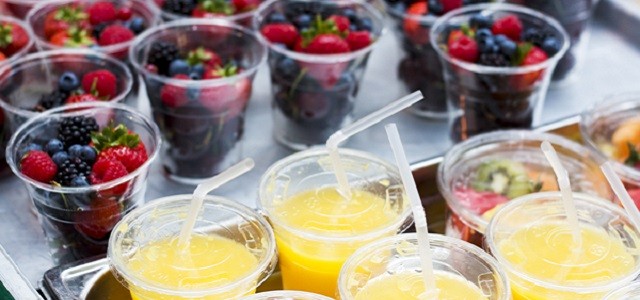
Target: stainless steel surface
{"x": 612, "y": 66}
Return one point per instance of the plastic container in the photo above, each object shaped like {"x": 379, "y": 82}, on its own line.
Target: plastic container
{"x": 26, "y": 48}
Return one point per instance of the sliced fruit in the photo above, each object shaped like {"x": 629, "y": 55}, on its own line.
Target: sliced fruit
{"x": 479, "y": 202}
{"x": 628, "y": 132}
{"x": 505, "y": 177}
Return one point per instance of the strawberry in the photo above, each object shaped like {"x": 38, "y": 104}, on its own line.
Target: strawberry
{"x": 358, "y": 40}
{"x": 131, "y": 158}
{"x": 464, "y": 48}
{"x": 635, "y": 195}
{"x": 38, "y": 166}
{"x": 230, "y": 99}
{"x": 173, "y": 95}
{"x": 280, "y": 33}
{"x": 115, "y": 34}
{"x": 106, "y": 169}
{"x": 2, "y": 58}
{"x": 102, "y": 12}
{"x": 245, "y": 5}
{"x": 204, "y": 56}
{"x": 449, "y": 5}
{"x": 510, "y": 25}
{"x": 479, "y": 202}
{"x": 98, "y": 221}
{"x": 341, "y": 22}
{"x": 117, "y": 143}
{"x": 73, "y": 37}
{"x": 63, "y": 18}
{"x": 219, "y": 72}
{"x": 533, "y": 56}
{"x": 415, "y": 31}
{"x": 101, "y": 83}
{"x": 125, "y": 13}
{"x": 212, "y": 8}
{"x": 12, "y": 38}
{"x": 454, "y": 36}
{"x": 327, "y": 44}
{"x": 80, "y": 98}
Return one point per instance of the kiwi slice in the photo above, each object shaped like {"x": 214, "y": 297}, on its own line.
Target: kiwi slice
{"x": 505, "y": 177}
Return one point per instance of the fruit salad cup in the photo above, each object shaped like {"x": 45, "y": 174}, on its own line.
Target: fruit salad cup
{"x": 237, "y": 11}
{"x": 109, "y": 26}
{"x": 199, "y": 76}
{"x": 85, "y": 166}
{"x": 318, "y": 52}
{"x": 16, "y": 39}
{"x": 612, "y": 129}
{"x": 49, "y": 79}
{"x": 495, "y": 79}
{"x": 480, "y": 175}
{"x": 574, "y": 15}
{"x": 420, "y": 67}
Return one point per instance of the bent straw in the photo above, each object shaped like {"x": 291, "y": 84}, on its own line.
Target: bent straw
{"x": 618, "y": 188}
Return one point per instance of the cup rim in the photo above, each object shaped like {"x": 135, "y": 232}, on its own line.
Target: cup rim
{"x": 496, "y": 137}
{"x": 634, "y": 288}
{"x": 194, "y": 22}
{"x": 173, "y": 16}
{"x": 26, "y": 48}
{"x": 441, "y": 22}
{"x": 155, "y": 20}
{"x": 265, "y": 266}
{"x": 405, "y": 218}
{"x": 437, "y": 240}
{"x": 41, "y": 55}
{"x": 77, "y": 110}
{"x": 321, "y": 58}
{"x": 271, "y": 295}
{"x": 592, "y": 200}
{"x": 587, "y": 118}
{"x": 430, "y": 19}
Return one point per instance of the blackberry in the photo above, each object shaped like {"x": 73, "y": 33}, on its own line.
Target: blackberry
{"x": 161, "y": 55}
{"x": 72, "y": 168}
{"x": 494, "y": 60}
{"x": 49, "y": 101}
{"x": 76, "y": 130}
{"x": 181, "y": 7}
{"x": 97, "y": 29}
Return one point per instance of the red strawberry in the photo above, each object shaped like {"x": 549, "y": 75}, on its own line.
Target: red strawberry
{"x": 102, "y": 83}
{"x": 479, "y": 202}
{"x": 228, "y": 99}
{"x": 125, "y": 13}
{"x": 280, "y": 33}
{"x": 358, "y": 40}
{"x": 416, "y": 32}
{"x": 533, "y": 57}
{"x": 63, "y": 18}
{"x": 2, "y": 57}
{"x": 464, "y": 48}
{"x": 80, "y": 98}
{"x": 454, "y": 36}
{"x": 327, "y": 74}
{"x": 73, "y": 37}
{"x": 119, "y": 144}
{"x": 449, "y": 5}
{"x": 635, "y": 195}
{"x": 327, "y": 44}
{"x": 212, "y": 8}
{"x": 131, "y": 158}
{"x": 38, "y": 166}
{"x": 98, "y": 221}
{"x": 115, "y": 34}
{"x": 105, "y": 170}
{"x": 204, "y": 56}
{"x": 509, "y": 25}
{"x": 102, "y": 12}
{"x": 245, "y": 5}
{"x": 173, "y": 95}
{"x": 12, "y": 38}
{"x": 341, "y": 22}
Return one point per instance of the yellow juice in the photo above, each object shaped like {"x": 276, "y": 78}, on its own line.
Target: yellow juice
{"x": 211, "y": 261}
{"x": 547, "y": 251}
{"x": 409, "y": 286}
{"x": 313, "y": 265}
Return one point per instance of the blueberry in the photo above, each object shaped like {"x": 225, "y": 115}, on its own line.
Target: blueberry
{"x": 350, "y": 13}
{"x": 435, "y": 7}
{"x": 194, "y": 76}
{"x": 480, "y": 21}
{"x": 68, "y": 82}
{"x": 353, "y": 27}
{"x": 198, "y": 69}
{"x": 54, "y": 146}
{"x": 551, "y": 45}
{"x": 508, "y": 48}
{"x": 30, "y": 147}
{"x": 193, "y": 93}
{"x": 74, "y": 151}
{"x": 501, "y": 38}
{"x": 60, "y": 157}
{"x": 276, "y": 18}
{"x": 302, "y": 21}
{"x": 79, "y": 181}
{"x": 178, "y": 66}
{"x": 287, "y": 68}
{"x": 487, "y": 45}
{"x": 483, "y": 33}
{"x": 137, "y": 25}
{"x": 87, "y": 154}
{"x": 364, "y": 24}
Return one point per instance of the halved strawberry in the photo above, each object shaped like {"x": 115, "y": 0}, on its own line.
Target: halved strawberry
{"x": 12, "y": 38}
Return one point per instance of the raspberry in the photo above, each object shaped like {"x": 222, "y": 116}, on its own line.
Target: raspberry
{"x": 509, "y": 25}
{"x": 358, "y": 40}
{"x": 102, "y": 12}
{"x": 464, "y": 48}
{"x": 341, "y": 22}
{"x": 38, "y": 166}
{"x": 115, "y": 34}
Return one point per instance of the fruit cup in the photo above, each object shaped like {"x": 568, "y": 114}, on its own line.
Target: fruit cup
{"x": 494, "y": 80}
{"x": 612, "y": 129}
{"x": 574, "y": 15}
{"x": 16, "y": 39}
{"x": 237, "y": 11}
{"x": 199, "y": 76}
{"x": 420, "y": 67}
{"x": 480, "y": 175}
{"x": 85, "y": 166}
{"x": 49, "y": 79}
{"x": 318, "y": 52}
{"x": 109, "y": 26}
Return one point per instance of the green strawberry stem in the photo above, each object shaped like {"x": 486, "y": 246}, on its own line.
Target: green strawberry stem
{"x": 319, "y": 27}
{"x": 114, "y": 136}
{"x": 78, "y": 37}
{"x": 521, "y": 53}
{"x": 634, "y": 156}
{"x": 218, "y": 6}
{"x": 198, "y": 56}
{"x": 6, "y": 35}
{"x": 70, "y": 14}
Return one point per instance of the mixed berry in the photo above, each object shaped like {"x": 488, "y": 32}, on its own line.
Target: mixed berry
{"x": 97, "y": 85}
{"x": 13, "y": 39}
{"x": 207, "y": 8}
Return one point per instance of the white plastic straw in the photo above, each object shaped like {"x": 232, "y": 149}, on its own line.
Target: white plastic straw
{"x": 565, "y": 189}
{"x": 420, "y": 219}
{"x": 620, "y": 191}
{"x": 367, "y": 121}
{"x": 205, "y": 188}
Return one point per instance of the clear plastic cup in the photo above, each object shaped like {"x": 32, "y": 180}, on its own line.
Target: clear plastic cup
{"x": 26, "y": 80}
{"x": 38, "y": 15}
{"x": 398, "y": 256}
{"x": 603, "y": 129}
{"x": 243, "y": 18}
{"x": 204, "y": 133}
{"x": 314, "y": 94}
{"x": 484, "y": 98}
{"x": 574, "y": 15}
{"x": 629, "y": 292}
{"x": 26, "y": 48}
{"x": 531, "y": 239}
{"x": 480, "y": 175}
{"x": 19, "y": 8}
{"x": 286, "y": 295}
{"x": 162, "y": 219}
{"x": 314, "y": 247}
{"x": 77, "y": 221}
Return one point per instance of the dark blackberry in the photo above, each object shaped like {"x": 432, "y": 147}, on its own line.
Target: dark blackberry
{"x": 494, "y": 60}
{"x": 49, "y": 101}
{"x": 161, "y": 55}
{"x": 181, "y": 7}
{"x": 72, "y": 168}
{"x": 76, "y": 130}
{"x": 97, "y": 29}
